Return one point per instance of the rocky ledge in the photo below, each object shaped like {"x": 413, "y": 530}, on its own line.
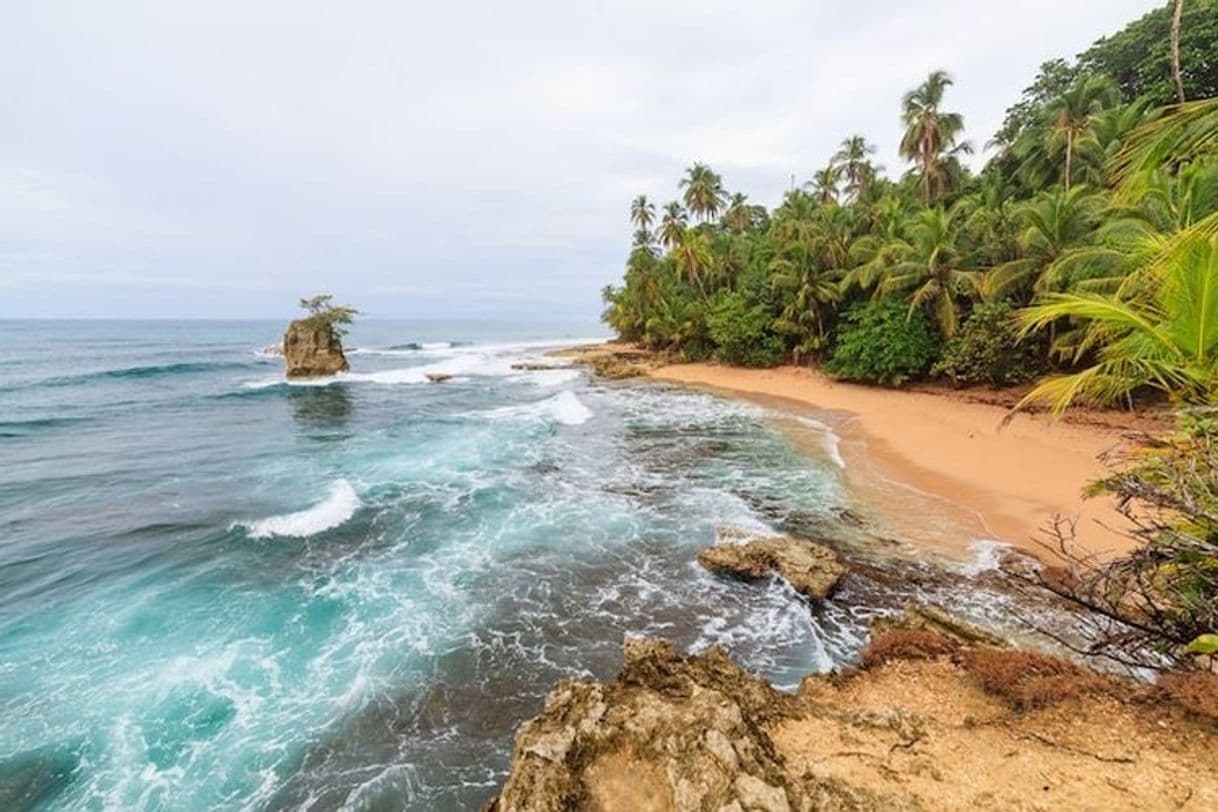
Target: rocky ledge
{"x": 812, "y": 570}
{"x": 312, "y": 349}
{"x": 670, "y": 732}
{"x": 613, "y": 361}
{"x": 929, "y": 722}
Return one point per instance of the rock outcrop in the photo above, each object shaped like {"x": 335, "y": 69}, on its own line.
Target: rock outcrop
{"x": 613, "y": 361}
{"x": 311, "y": 349}
{"x": 670, "y": 732}
{"x": 944, "y": 726}
{"x": 812, "y": 570}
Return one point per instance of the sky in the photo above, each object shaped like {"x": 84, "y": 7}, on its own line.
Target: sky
{"x": 217, "y": 159}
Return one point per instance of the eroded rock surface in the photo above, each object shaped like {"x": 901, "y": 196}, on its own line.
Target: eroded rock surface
{"x": 670, "y": 733}
{"x": 812, "y": 570}
{"x": 312, "y": 350}
{"x": 686, "y": 734}
{"x": 613, "y": 361}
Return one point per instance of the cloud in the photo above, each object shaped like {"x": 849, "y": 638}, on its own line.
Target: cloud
{"x": 427, "y": 159}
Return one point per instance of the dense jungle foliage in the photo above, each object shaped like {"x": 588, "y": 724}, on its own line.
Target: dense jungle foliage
{"x": 1084, "y": 251}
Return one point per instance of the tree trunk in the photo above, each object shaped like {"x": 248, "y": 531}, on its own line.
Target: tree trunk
{"x": 1069, "y": 155}
{"x": 1175, "y": 50}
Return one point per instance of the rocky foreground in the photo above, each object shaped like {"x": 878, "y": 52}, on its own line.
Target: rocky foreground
{"x": 940, "y": 715}
{"x": 934, "y": 720}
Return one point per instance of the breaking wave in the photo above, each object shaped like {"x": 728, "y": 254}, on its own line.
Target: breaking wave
{"x": 339, "y": 506}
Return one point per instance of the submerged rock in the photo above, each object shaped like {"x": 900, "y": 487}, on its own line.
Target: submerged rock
{"x": 530, "y": 366}
{"x": 670, "y": 732}
{"x": 812, "y": 570}
{"x": 312, "y": 349}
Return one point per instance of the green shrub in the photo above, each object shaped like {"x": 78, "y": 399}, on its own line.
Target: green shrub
{"x": 883, "y": 342}
{"x": 987, "y": 350}
{"x": 742, "y": 333}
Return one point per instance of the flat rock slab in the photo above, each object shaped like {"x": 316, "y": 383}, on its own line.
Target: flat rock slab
{"x": 812, "y": 570}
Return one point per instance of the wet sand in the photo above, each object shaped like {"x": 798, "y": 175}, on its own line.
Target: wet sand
{"x": 944, "y": 469}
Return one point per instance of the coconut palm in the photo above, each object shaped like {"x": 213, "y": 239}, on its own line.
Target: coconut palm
{"x": 1073, "y": 115}
{"x": 703, "y": 195}
{"x": 853, "y": 164}
{"x": 692, "y": 254}
{"x": 1182, "y": 133}
{"x": 795, "y": 219}
{"x": 673, "y": 224}
{"x": 824, "y": 184}
{"x": 808, "y": 288}
{"x": 642, "y": 212}
{"x": 929, "y": 269}
{"x": 738, "y": 215}
{"x": 1053, "y": 223}
{"x": 1165, "y": 338}
{"x": 931, "y": 134}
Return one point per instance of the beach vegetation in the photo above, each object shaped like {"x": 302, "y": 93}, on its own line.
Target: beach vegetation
{"x": 989, "y": 350}
{"x": 322, "y": 311}
{"x": 883, "y": 342}
{"x": 1091, "y": 221}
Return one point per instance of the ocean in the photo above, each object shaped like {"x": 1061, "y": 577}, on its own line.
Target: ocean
{"x": 219, "y": 590}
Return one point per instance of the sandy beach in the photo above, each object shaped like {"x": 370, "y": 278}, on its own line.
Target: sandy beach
{"x": 941, "y": 463}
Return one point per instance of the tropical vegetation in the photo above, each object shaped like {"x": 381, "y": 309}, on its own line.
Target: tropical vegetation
{"x": 1083, "y": 253}
{"x": 1085, "y": 249}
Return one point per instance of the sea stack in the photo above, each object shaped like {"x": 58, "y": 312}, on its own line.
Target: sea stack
{"x": 312, "y": 349}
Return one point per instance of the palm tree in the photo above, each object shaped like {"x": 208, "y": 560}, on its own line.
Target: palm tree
{"x": 1165, "y": 339}
{"x": 704, "y": 195}
{"x": 1187, "y": 131}
{"x": 824, "y": 184}
{"x": 643, "y": 238}
{"x": 738, "y": 215}
{"x": 673, "y": 224}
{"x": 693, "y": 256}
{"x": 851, "y": 160}
{"x": 795, "y": 219}
{"x": 930, "y": 134}
{"x": 1054, "y": 222}
{"x": 929, "y": 268}
{"x": 642, "y": 212}
{"x": 808, "y": 289}
{"x": 1074, "y": 113}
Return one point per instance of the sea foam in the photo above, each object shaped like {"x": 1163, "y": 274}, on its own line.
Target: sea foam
{"x": 565, "y": 408}
{"x": 339, "y": 506}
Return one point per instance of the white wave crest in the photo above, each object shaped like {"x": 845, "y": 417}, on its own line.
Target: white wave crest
{"x": 565, "y": 408}
{"x": 832, "y": 443}
{"x": 339, "y": 506}
{"x": 988, "y": 555}
{"x": 568, "y": 409}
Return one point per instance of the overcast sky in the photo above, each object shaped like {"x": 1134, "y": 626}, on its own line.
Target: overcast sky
{"x": 220, "y": 159}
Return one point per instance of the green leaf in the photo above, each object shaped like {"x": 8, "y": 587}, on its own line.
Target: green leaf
{"x": 1205, "y": 644}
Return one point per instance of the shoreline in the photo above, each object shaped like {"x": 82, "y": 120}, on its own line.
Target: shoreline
{"x": 909, "y": 451}
{"x": 936, "y": 465}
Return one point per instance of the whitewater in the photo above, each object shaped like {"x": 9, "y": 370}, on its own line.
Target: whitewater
{"x": 221, "y": 590}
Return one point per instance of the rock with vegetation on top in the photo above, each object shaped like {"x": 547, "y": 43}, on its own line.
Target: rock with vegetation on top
{"x": 313, "y": 350}
{"x": 812, "y": 570}
{"x": 313, "y": 346}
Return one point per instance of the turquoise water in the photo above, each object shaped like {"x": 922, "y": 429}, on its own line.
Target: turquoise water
{"x": 220, "y": 591}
